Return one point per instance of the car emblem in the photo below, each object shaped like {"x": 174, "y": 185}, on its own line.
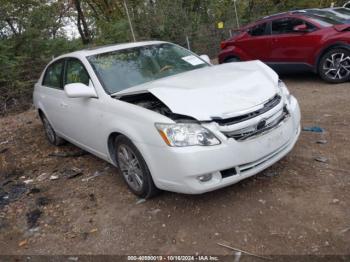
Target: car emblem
{"x": 261, "y": 124}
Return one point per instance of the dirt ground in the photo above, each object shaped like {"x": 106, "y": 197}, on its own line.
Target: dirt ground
{"x": 298, "y": 206}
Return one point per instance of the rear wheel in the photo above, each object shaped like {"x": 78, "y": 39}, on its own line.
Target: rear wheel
{"x": 334, "y": 66}
{"x": 134, "y": 169}
{"x": 50, "y": 132}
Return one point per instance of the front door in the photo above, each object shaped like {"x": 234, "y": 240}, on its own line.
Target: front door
{"x": 82, "y": 117}
{"x": 292, "y": 46}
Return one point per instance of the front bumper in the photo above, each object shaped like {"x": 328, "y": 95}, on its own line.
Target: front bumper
{"x": 176, "y": 169}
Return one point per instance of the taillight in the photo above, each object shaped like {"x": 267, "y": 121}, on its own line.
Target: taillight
{"x": 223, "y": 45}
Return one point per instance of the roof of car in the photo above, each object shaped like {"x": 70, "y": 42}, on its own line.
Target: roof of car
{"x": 283, "y": 14}
{"x": 109, "y": 48}
{"x": 275, "y": 15}
{"x": 297, "y": 12}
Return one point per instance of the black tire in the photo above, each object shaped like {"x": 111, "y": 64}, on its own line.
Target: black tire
{"x": 50, "y": 133}
{"x": 132, "y": 177}
{"x": 334, "y": 66}
{"x": 232, "y": 59}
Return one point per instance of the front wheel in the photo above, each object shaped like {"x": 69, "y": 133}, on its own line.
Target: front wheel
{"x": 134, "y": 169}
{"x": 334, "y": 66}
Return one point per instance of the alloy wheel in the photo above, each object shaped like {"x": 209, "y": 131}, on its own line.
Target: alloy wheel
{"x": 130, "y": 167}
{"x": 337, "y": 66}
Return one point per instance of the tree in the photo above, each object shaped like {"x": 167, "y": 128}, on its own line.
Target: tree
{"x": 33, "y": 31}
{"x": 82, "y": 25}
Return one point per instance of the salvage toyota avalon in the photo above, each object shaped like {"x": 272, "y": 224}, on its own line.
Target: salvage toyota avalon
{"x": 166, "y": 117}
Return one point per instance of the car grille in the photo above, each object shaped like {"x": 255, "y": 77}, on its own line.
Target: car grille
{"x": 267, "y": 106}
{"x": 254, "y": 131}
{"x": 273, "y": 115}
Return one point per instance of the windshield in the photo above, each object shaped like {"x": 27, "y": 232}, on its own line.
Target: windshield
{"x": 326, "y": 15}
{"x": 324, "y": 21}
{"x": 122, "y": 69}
{"x": 344, "y": 11}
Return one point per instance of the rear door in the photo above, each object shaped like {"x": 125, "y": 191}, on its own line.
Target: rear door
{"x": 289, "y": 45}
{"x": 52, "y": 94}
{"x": 256, "y": 42}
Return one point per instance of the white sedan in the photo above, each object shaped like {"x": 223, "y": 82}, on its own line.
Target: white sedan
{"x": 166, "y": 117}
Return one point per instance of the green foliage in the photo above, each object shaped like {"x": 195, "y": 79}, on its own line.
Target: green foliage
{"x": 33, "y": 31}
{"x": 112, "y": 32}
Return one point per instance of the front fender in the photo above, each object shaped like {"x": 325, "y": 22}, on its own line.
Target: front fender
{"x": 134, "y": 122}
{"x": 232, "y": 51}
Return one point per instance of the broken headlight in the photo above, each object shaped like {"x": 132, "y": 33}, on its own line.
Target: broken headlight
{"x": 186, "y": 134}
{"x": 284, "y": 90}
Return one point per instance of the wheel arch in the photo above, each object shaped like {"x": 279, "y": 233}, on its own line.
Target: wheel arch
{"x": 327, "y": 49}
{"x": 111, "y": 145}
{"x": 112, "y": 152}
{"x": 232, "y": 51}
{"x": 41, "y": 113}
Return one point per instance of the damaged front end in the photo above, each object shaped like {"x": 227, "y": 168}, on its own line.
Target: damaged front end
{"x": 273, "y": 113}
{"x": 150, "y": 102}
{"x": 248, "y": 125}
{"x": 186, "y": 131}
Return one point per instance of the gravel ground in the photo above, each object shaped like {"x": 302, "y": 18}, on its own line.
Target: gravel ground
{"x": 297, "y": 206}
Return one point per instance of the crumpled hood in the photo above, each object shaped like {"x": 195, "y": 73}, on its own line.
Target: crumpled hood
{"x": 220, "y": 91}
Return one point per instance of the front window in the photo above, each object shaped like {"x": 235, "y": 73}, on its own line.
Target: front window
{"x": 53, "y": 75}
{"x": 76, "y": 73}
{"x": 122, "y": 69}
{"x": 287, "y": 25}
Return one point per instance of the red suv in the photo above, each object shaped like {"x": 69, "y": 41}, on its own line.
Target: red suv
{"x": 294, "y": 40}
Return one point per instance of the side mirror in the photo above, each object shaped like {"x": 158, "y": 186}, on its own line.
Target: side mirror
{"x": 301, "y": 28}
{"x": 76, "y": 90}
{"x": 206, "y": 58}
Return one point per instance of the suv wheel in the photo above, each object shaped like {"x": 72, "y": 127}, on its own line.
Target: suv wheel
{"x": 51, "y": 135}
{"x": 334, "y": 66}
{"x": 134, "y": 169}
